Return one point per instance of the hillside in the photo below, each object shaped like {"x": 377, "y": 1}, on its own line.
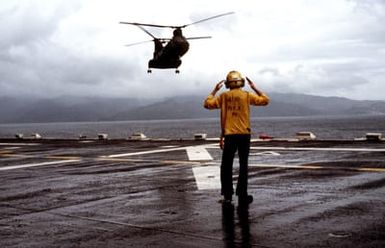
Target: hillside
{"x": 72, "y": 109}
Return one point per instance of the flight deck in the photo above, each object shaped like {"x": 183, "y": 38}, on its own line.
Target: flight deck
{"x": 165, "y": 193}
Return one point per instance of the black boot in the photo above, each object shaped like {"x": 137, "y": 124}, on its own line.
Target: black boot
{"x": 245, "y": 200}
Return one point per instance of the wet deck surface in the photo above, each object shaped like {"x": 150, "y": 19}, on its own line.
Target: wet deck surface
{"x": 63, "y": 193}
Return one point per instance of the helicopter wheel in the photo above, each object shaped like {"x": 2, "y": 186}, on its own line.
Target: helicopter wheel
{"x": 149, "y": 71}
{"x": 177, "y": 71}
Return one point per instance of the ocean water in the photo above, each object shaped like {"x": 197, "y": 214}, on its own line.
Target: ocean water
{"x": 324, "y": 127}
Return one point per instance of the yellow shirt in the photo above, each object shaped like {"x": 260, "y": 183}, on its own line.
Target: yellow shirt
{"x": 235, "y": 109}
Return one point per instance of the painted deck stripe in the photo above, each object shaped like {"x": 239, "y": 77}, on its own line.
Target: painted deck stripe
{"x": 265, "y": 153}
{"x": 371, "y": 169}
{"x": 11, "y": 148}
{"x": 207, "y": 177}
{"x": 148, "y": 160}
{"x": 317, "y": 167}
{"x": 14, "y": 167}
{"x": 287, "y": 166}
{"x": 5, "y": 152}
{"x": 144, "y": 152}
{"x": 318, "y": 149}
{"x": 12, "y": 155}
{"x": 19, "y": 144}
{"x": 198, "y": 153}
{"x": 157, "y": 151}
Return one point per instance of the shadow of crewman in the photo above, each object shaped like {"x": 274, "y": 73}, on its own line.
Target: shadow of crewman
{"x": 229, "y": 227}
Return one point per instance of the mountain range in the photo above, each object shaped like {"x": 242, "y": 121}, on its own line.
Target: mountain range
{"x": 75, "y": 109}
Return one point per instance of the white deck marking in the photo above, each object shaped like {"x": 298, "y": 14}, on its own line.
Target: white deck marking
{"x": 371, "y": 169}
{"x": 317, "y": 167}
{"x": 318, "y": 149}
{"x": 11, "y": 148}
{"x": 144, "y": 152}
{"x": 19, "y": 144}
{"x": 265, "y": 153}
{"x": 195, "y": 149}
{"x": 13, "y": 167}
{"x": 207, "y": 177}
{"x": 198, "y": 153}
{"x": 288, "y": 166}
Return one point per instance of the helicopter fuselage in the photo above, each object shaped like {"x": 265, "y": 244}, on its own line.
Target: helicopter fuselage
{"x": 168, "y": 57}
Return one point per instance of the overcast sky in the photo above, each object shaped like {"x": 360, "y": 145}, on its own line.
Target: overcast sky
{"x": 51, "y": 48}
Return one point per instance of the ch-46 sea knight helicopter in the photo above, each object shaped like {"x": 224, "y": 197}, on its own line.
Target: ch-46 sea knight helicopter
{"x": 169, "y": 56}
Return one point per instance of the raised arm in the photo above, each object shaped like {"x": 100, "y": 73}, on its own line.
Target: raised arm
{"x": 211, "y": 101}
{"x": 252, "y": 86}
{"x": 217, "y": 87}
{"x": 261, "y": 98}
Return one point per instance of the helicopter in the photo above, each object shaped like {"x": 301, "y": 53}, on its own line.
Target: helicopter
{"x": 168, "y": 51}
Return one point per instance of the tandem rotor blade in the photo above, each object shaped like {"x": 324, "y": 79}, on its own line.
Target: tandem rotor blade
{"x": 139, "y": 25}
{"x": 206, "y": 19}
{"x": 146, "y": 24}
{"x": 147, "y": 32}
{"x": 146, "y": 41}
{"x": 199, "y": 37}
{"x": 138, "y": 43}
{"x": 170, "y": 26}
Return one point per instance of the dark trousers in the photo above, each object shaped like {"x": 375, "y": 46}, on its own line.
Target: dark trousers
{"x": 233, "y": 143}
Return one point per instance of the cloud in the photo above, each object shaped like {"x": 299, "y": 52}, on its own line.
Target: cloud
{"x": 55, "y": 48}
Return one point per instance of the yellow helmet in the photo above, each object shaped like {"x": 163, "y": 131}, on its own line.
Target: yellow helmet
{"x": 234, "y": 80}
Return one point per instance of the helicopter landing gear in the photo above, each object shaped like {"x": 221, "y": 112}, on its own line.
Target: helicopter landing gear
{"x": 177, "y": 71}
{"x": 149, "y": 71}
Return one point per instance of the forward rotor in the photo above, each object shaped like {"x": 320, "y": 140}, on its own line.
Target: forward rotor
{"x": 171, "y": 26}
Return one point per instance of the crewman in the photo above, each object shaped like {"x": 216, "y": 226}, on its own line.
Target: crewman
{"x": 235, "y": 131}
